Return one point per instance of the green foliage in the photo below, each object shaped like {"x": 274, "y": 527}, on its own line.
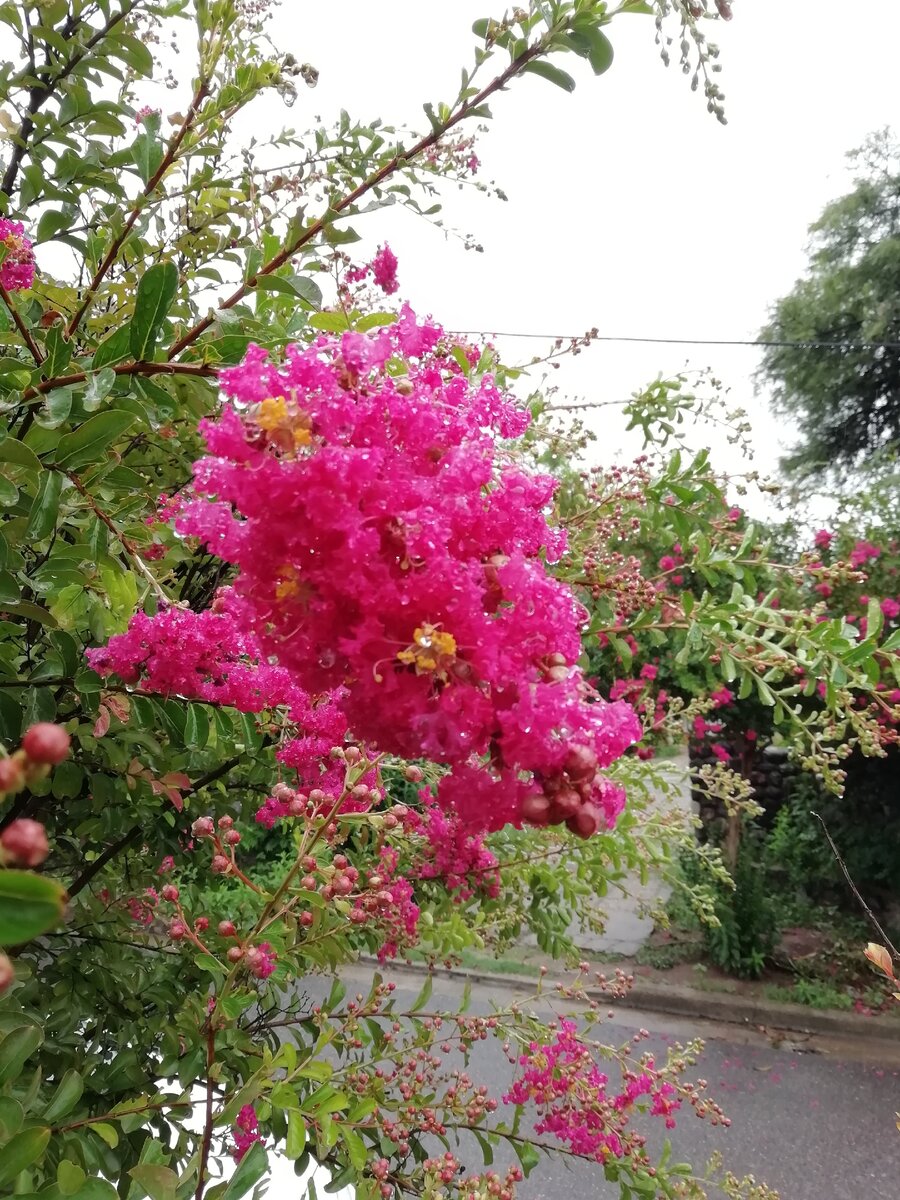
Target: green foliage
{"x": 740, "y": 931}
{"x": 843, "y": 398}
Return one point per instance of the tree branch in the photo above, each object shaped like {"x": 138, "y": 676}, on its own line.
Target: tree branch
{"x": 402, "y": 156}
{"x": 23, "y": 329}
{"x": 41, "y": 93}
{"x": 855, "y": 890}
{"x": 208, "y": 1119}
{"x": 168, "y": 158}
{"x": 201, "y": 370}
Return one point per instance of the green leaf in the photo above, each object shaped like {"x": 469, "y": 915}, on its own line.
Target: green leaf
{"x": 593, "y": 44}
{"x": 20, "y": 455}
{"x": 29, "y": 906}
{"x": 9, "y": 493}
{"x": 21, "y": 1151}
{"x": 11, "y": 1116}
{"x": 155, "y": 294}
{"x": 196, "y": 727}
{"x": 52, "y": 222}
{"x": 424, "y": 995}
{"x": 16, "y": 1047}
{"x": 528, "y": 1156}
{"x": 296, "y": 1134}
{"x": 158, "y": 1182}
{"x": 96, "y": 1189}
{"x": 64, "y": 1099}
{"x": 250, "y": 1170}
{"x": 108, "y": 1132}
{"x": 356, "y": 1148}
{"x": 113, "y": 349}
{"x": 330, "y": 322}
{"x": 55, "y": 409}
{"x": 91, "y": 441}
{"x": 13, "y": 373}
{"x": 99, "y": 385}
{"x": 45, "y": 510}
{"x": 147, "y": 153}
{"x": 69, "y": 1177}
{"x": 554, "y": 74}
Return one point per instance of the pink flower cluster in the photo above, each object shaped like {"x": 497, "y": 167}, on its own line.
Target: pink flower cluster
{"x": 382, "y": 268}
{"x": 450, "y": 851}
{"x": 391, "y": 554}
{"x": 568, "y": 1087}
{"x": 17, "y": 266}
{"x": 863, "y": 552}
{"x": 246, "y": 1132}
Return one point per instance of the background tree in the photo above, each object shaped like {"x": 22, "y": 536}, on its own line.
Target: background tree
{"x": 845, "y": 397}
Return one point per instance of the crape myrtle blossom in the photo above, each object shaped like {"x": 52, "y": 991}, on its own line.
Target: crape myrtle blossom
{"x": 17, "y": 263}
{"x": 391, "y": 554}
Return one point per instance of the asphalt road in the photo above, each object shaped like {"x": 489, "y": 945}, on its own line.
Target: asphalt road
{"x": 813, "y": 1119}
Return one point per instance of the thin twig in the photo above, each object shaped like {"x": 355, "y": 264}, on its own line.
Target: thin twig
{"x": 149, "y": 188}
{"x": 402, "y": 156}
{"x": 208, "y": 1121}
{"x": 855, "y": 890}
{"x": 202, "y": 370}
{"x": 23, "y": 329}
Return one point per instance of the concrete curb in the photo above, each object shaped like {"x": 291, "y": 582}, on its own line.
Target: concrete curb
{"x": 724, "y": 1008}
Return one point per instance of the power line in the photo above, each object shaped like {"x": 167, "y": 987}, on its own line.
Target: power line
{"x": 589, "y": 335}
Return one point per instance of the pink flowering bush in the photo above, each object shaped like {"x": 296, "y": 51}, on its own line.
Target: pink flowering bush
{"x": 17, "y": 262}
{"x": 387, "y": 549}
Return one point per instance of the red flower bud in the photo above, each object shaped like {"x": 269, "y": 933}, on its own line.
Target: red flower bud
{"x": 12, "y": 777}
{"x": 220, "y": 865}
{"x": 226, "y": 928}
{"x": 170, "y": 892}
{"x": 226, "y": 822}
{"x": 7, "y": 973}
{"x": 414, "y": 774}
{"x": 202, "y": 827}
{"x": 177, "y": 930}
{"x": 46, "y": 743}
{"x": 235, "y": 954}
{"x": 25, "y": 842}
{"x": 231, "y": 838}
{"x": 201, "y": 924}
{"x": 306, "y": 919}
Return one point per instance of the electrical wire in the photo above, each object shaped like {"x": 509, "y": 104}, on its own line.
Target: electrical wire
{"x": 671, "y": 341}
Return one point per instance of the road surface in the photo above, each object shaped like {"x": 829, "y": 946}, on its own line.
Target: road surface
{"x": 813, "y": 1119}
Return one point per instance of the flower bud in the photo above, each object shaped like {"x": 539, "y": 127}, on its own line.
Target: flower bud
{"x": 202, "y": 827}
{"x": 340, "y": 861}
{"x": 170, "y": 892}
{"x": 177, "y": 930}
{"x": 220, "y": 865}
{"x": 226, "y": 928}
{"x": 226, "y": 822}
{"x": 413, "y": 774}
{"x": 235, "y": 954}
{"x": 201, "y": 924}
{"x": 25, "y": 842}
{"x": 306, "y": 919}
{"x": 46, "y": 743}
{"x": 12, "y": 777}
{"x": 231, "y": 838}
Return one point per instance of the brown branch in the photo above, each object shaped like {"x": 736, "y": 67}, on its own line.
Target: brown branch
{"x": 134, "y": 834}
{"x": 149, "y": 188}
{"x": 208, "y": 1120}
{"x": 201, "y": 370}
{"x": 402, "y": 156}
{"x": 855, "y": 890}
{"x": 21, "y": 326}
{"x": 41, "y": 93}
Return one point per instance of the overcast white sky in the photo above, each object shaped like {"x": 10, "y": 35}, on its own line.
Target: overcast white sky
{"x": 630, "y": 208}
